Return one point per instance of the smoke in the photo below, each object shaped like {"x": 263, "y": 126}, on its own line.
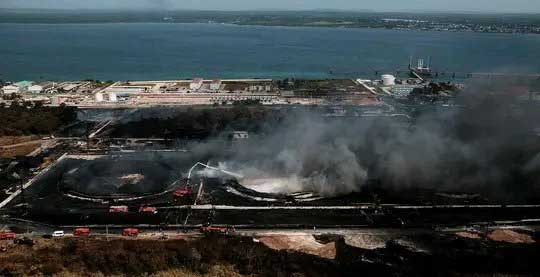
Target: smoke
{"x": 484, "y": 143}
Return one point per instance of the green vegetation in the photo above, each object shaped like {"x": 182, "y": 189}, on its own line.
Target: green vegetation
{"x": 25, "y": 118}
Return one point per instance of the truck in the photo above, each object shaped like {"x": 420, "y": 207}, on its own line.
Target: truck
{"x": 217, "y": 230}
{"x": 181, "y": 193}
{"x": 7, "y": 235}
{"x": 118, "y": 209}
{"x": 81, "y": 232}
{"x": 147, "y": 209}
{"x": 130, "y": 232}
{"x": 58, "y": 234}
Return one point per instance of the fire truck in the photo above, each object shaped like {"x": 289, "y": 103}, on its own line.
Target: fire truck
{"x": 7, "y": 235}
{"x": 217, "y": 230}
{"x": 81, "y": 232}
{"x": 182, "y": 193}
{"x": 118, "y": 209}
{"x": 130, "y": 232}
{"x": 147, "y": 209}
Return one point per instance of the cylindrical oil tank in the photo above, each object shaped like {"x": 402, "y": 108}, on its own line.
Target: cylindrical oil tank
{"x": 388, "y": 80}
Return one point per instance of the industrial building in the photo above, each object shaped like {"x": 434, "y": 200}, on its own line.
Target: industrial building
{"x": 35, "y": 89}
{"x": 19, "y": 87}
{"x": 196, "y": 84}
{"x": 10, "y": 89}
{"x": 215, "y": 85}
{"x": 403, "y": 90}
{"x": 126, "y": 89}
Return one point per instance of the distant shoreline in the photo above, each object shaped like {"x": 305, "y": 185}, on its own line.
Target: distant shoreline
{"x": 441, "y": 22}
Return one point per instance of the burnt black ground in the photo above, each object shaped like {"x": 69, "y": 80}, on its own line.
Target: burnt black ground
{"x": 48, "y": 202}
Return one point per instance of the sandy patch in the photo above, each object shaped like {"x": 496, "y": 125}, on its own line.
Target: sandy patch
{"x": 300, "y": 242}
{"x": 510, "y": 236}
{"x": 365, "y": 241}
{"x": 131, "y": 179}
{"x": 468, "y": 235}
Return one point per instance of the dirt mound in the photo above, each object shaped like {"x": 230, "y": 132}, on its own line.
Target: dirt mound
{"x": 302, "y": 243}
{"x": 468, "y": 235}
{"x": 366, "y": 241}
{"x": 510, "y": 236}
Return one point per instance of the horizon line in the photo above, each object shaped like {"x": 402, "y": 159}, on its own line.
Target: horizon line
{"x": 151, "y": 9}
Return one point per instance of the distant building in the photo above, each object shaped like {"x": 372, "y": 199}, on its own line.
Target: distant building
{"x": 259, "y": 88}
{"x": 215, "y": 85}
{"x": 403, "y": 90}
{"x": 35, "y": 89}
{"x": 99, "y": 97}
{"x": 113, "y": 97}
{"x": 10, "y": 89}
{"x": 127, "y": 89}
{"x": 38, "y": 99}
{"x": 237, "y": 135}
{"x": 19, "y": 87}
{"x": 196, "y": 84}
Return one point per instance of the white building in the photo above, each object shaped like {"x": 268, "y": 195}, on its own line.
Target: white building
{"x": 215, "y": 85}
{"x": 99, "y": 97}
{"x": 403, "y": 90}
{"x": 35, "y": 89}
{"x": 237, "y": 135}
{"x": 127, "y": 89}
{"x": 10, "y": 89}
{"x": 113, "y": 97}
{"x": 196, "y": 84}
{"x": 19, "y": 87}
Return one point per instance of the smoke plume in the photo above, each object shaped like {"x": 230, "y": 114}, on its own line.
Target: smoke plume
{"x": 484, "y": 142}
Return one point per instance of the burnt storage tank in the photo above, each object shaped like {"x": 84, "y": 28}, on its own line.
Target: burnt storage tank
{"x": 112, "y": 178}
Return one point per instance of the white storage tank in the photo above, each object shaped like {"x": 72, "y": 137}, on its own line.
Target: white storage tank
{"x": 35, "y": 89}
{"x": 388, "y": 80}
{"x": 99, "y": 97}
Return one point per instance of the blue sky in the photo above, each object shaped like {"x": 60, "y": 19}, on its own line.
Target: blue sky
{"x": 529, "y": 6}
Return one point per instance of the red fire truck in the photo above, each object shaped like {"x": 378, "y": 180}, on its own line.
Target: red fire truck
{"x": 81, "y": 232}
{"x": 146, "y": 209}
{"x": 7, "y": 235}
{"x": 130, "y": 232}
{"x": 181, "y": 193}
{"x": 217, "y": 230}
{"x": 118, "y": 209}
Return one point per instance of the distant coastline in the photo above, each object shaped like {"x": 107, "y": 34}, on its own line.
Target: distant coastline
{"x": 449, "y": 22}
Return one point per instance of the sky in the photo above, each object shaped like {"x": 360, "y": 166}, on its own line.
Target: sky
{"x": 526, "y": 6}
